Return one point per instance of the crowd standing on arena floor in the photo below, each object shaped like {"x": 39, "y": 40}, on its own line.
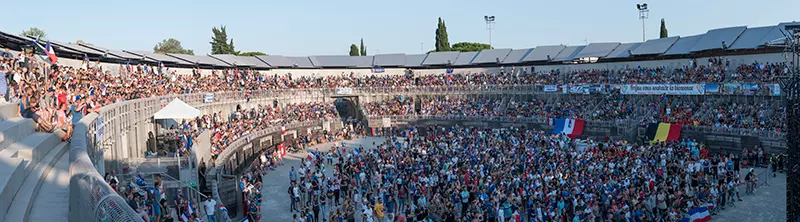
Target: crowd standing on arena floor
{"x": 478, "y": 174}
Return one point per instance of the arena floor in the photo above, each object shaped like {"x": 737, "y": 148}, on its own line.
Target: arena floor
{"x": 768, "y": 204}
{"x": 276, "y": 202}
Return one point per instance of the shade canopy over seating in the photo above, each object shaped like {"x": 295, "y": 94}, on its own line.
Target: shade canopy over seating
{"x": 543, "y": 53}
{"x": 177, "y": 109}
{"x": 398, "y": 59}
{"x": 655, "y": 46}
{"x": 415, "y": 60}
{"x": 465, "y": 58}
{"x": 598, "y": 50}
{"x": 569, "y": 53}
{"x": 440, "y": 58}
{"x": 491, "y": 56}
{"x": 623, "y": 50}
{"x": 516, "y": 55}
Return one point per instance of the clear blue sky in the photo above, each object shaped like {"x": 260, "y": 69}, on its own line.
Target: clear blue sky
{"x": 303, "y": 27}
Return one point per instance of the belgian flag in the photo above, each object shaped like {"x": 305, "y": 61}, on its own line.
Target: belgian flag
{"x": 659, "y": 132}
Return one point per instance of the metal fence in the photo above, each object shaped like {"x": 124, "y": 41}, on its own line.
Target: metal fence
{"x": 619, "y": 123}
{"x": 739, "y": 131}
{"x": 90, "y": 197}
{"x": 233, "y": 147}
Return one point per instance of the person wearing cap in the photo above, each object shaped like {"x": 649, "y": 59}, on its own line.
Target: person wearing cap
{"x": 749, "y": 178}
{"x": 78, "y": 109}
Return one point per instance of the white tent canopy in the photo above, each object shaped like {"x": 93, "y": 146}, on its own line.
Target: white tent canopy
{"x": 177, "y": 109}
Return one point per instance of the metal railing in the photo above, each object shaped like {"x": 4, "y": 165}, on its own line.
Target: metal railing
{"x": 739, "y": 131}
{"x": 533, "y": 119}
{"x": 623, "y": 123}
{"x": 91, "y": 198}
{"x": 235, "y": 145}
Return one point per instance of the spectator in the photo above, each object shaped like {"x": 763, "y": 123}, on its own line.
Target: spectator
{"x": 210, "y": 206}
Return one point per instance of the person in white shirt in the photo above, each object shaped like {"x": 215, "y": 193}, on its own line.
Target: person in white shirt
{"x": 210, "y": 205}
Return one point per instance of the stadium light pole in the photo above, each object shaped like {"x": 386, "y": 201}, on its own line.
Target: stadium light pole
{"x": 644, "y": 13}
{"x": 489, "y": 25}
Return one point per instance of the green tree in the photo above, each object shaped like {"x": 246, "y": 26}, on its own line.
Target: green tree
{"x": 442, "y": 43}
{"x": 171, "y": 46}
{"x": 664, "y": 33}
{"x": 219, "y": 42}
{"x": 34, "y": 32}
{"x": 353, "y": 50}
{"x": 252, "y": 54}
{"x": 470, "y": 47}
{"x": 363, "y": 48}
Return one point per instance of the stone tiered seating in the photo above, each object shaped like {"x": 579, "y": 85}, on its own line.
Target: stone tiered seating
{"x": 26, "y": 158}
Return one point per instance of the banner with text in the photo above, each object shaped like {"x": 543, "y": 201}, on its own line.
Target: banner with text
{"x": 660, "y": 89}
{"x": 208, "y": 98}
{"x": 550, "y": 88}
{"x": 775, "y": 89}
{"x": 344, "y": 91}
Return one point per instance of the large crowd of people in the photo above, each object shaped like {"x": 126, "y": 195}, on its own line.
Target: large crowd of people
{"x": 481, "y": 174}
{"x": 225, "y": 130}
{"x": 56, "y": 97}
{"x": 754, "y": 115}
{"x": 269, "y": 159}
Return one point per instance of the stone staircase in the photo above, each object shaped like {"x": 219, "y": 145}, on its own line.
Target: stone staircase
{"x": 29, "y": 162}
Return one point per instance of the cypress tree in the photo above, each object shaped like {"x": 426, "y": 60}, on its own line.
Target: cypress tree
{"x": 664, "y": 33}
{"x": 363, "y": 49}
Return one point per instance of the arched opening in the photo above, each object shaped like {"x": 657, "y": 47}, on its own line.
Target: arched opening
{"x": 347, "y": 108}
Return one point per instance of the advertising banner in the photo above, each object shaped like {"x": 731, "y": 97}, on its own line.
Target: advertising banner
{"x": 550, "y": 88}
{"x": 345, "y": 91}
{"x": 208, "y": 98}
{"x": 579, "y": 89}
{"x": 750, "y": 89}
{"x": 731, "y": 88}
{"x": 775, "y": 89}
{"x": 662, "y": 89}
{"x": 711, "y": 88}
{"x": 99, "y": 129}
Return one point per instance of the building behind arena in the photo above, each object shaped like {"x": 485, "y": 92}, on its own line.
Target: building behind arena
{"x": 116, "y": 138}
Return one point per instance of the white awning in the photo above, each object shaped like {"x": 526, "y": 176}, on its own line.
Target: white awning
{"x": 177, "y": 109}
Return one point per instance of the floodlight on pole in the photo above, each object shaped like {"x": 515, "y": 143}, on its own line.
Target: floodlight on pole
{"x": 489, "y": 25}
{"x": 644, "y": 13}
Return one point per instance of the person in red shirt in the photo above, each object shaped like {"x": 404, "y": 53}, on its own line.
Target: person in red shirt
{"x": 61, "y": 96}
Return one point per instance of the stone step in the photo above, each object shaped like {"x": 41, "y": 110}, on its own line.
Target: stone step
{"x": 20, "y": 208}
{"x": 12, "y": 173}
{"x": 9, "y": 110}
{"x": 32, "y": 148}
{"x": 51, "y": 202}
{"x": 21, "y": 157}
{"x": 13, "y": 130}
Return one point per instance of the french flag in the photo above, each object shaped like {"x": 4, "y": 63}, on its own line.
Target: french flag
{"x": 698, "y": 214}
{"x": 571, "y": 127}
{"x": 48, "y": 49}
